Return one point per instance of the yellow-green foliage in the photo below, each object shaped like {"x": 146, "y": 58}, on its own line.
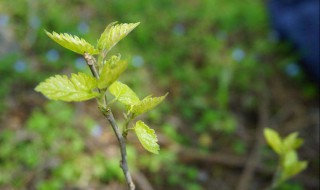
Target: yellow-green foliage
{"x": 286, "y": 149}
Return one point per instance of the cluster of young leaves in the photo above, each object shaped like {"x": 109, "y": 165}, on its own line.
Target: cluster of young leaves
{"x": 81, "y": 87}
{"x": 289, "y": 164}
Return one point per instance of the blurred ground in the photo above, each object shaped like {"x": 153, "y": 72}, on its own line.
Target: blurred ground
{"x": 227, "y": 75}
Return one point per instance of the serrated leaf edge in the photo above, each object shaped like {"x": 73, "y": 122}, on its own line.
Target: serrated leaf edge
{"x": 135, "y": 108}
{"x": 72, "y": 42}
{"x": 65, "y": 95}
{"x": 149, "y": 132}
{"x": 112, "y": 34}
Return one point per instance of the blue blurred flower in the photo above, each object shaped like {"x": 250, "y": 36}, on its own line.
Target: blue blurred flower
{"x": 80, "y": 63}
{"x": 83, "y": 28}
{"x": 238, "y": 54}
{"x": 52, "y": 55}
{"x": 20, "y": 66}
{"x": 137, "y": 61}
{"x": 96, "y": 131}
{"x": 35, "y": 22}
{"x": 292, "y": 69}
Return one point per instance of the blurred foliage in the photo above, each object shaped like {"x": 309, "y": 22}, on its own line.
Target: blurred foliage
{"x": 167, "y": 162}
{"x": 50, "y": 153}
{"x": 214, "y": 57}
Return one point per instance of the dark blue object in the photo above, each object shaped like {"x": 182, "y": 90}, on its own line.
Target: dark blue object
{"x": 297, "y": 21}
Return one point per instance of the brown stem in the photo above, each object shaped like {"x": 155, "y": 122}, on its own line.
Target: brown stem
{"x": 122, "y": 142}
{"x": 108, "y": 114}
{"x": 91, "y": 63}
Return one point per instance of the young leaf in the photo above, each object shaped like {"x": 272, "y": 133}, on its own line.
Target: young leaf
{"x": 78, "y": 88}
{"x": 111, "y": 71}
{"x": 73, "y": 43}
{"x": 273, "y": 139}
{"x": 123, "y": 93}
{"x": 147, "y": 137}
{"x": 295, "y": 169}
{"x": 291, "y": 165}
{"x": 290, "y": 158}
{"x": 146, "y": 104}
{"x": 292, "y": 142}
{"x": 113, "y": 34}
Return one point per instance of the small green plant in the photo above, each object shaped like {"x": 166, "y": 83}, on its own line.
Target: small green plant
{"x": 289, "y": 164}
{"x": 105, "y": 71}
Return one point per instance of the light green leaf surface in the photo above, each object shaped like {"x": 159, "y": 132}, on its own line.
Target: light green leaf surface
{"x": 291, "y": 165}
{"x": 146, "y": 104}
{"x": 78, "y": 88}
{"x": 290, "y": 158}
{"x": 123, "y": 93}
{"x": 292, "y": 142}
{"x": 111, "y": 71}
{"x": 73, "y": 43}
{"x": 147, "y": 137}
{"x": 295, "y": 169}
{"x": 113, "y": 34}
{"x": 273, "y": 139}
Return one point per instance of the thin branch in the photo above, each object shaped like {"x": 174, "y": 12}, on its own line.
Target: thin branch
{"x": 122, "y": 142}
{"x": 91, "y": 63}
{"x": 108, "y": 114}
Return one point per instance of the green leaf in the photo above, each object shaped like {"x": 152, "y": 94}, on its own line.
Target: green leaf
{"x": 291, "y": 165}
{"x": 123, "y": 93}
{"x": 73, "y": 43}
{"x": 296, "y": 168}
{"x": 111, "y": 71}
{"x": 292, "y": 142}
{"x": 147, "y": 137}
{"x": 113, "y": 34}
{"x": 273, "y": 139}
{"x": 78, "y": 88}
{"x": 146, "y": 104}
{"x": 289, "y": 158}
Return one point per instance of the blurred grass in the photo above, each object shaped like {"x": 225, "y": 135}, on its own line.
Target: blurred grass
{"x": 214, "y": 57}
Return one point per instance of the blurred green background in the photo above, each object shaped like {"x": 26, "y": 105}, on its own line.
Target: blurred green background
{"x": 227, "y": 78}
